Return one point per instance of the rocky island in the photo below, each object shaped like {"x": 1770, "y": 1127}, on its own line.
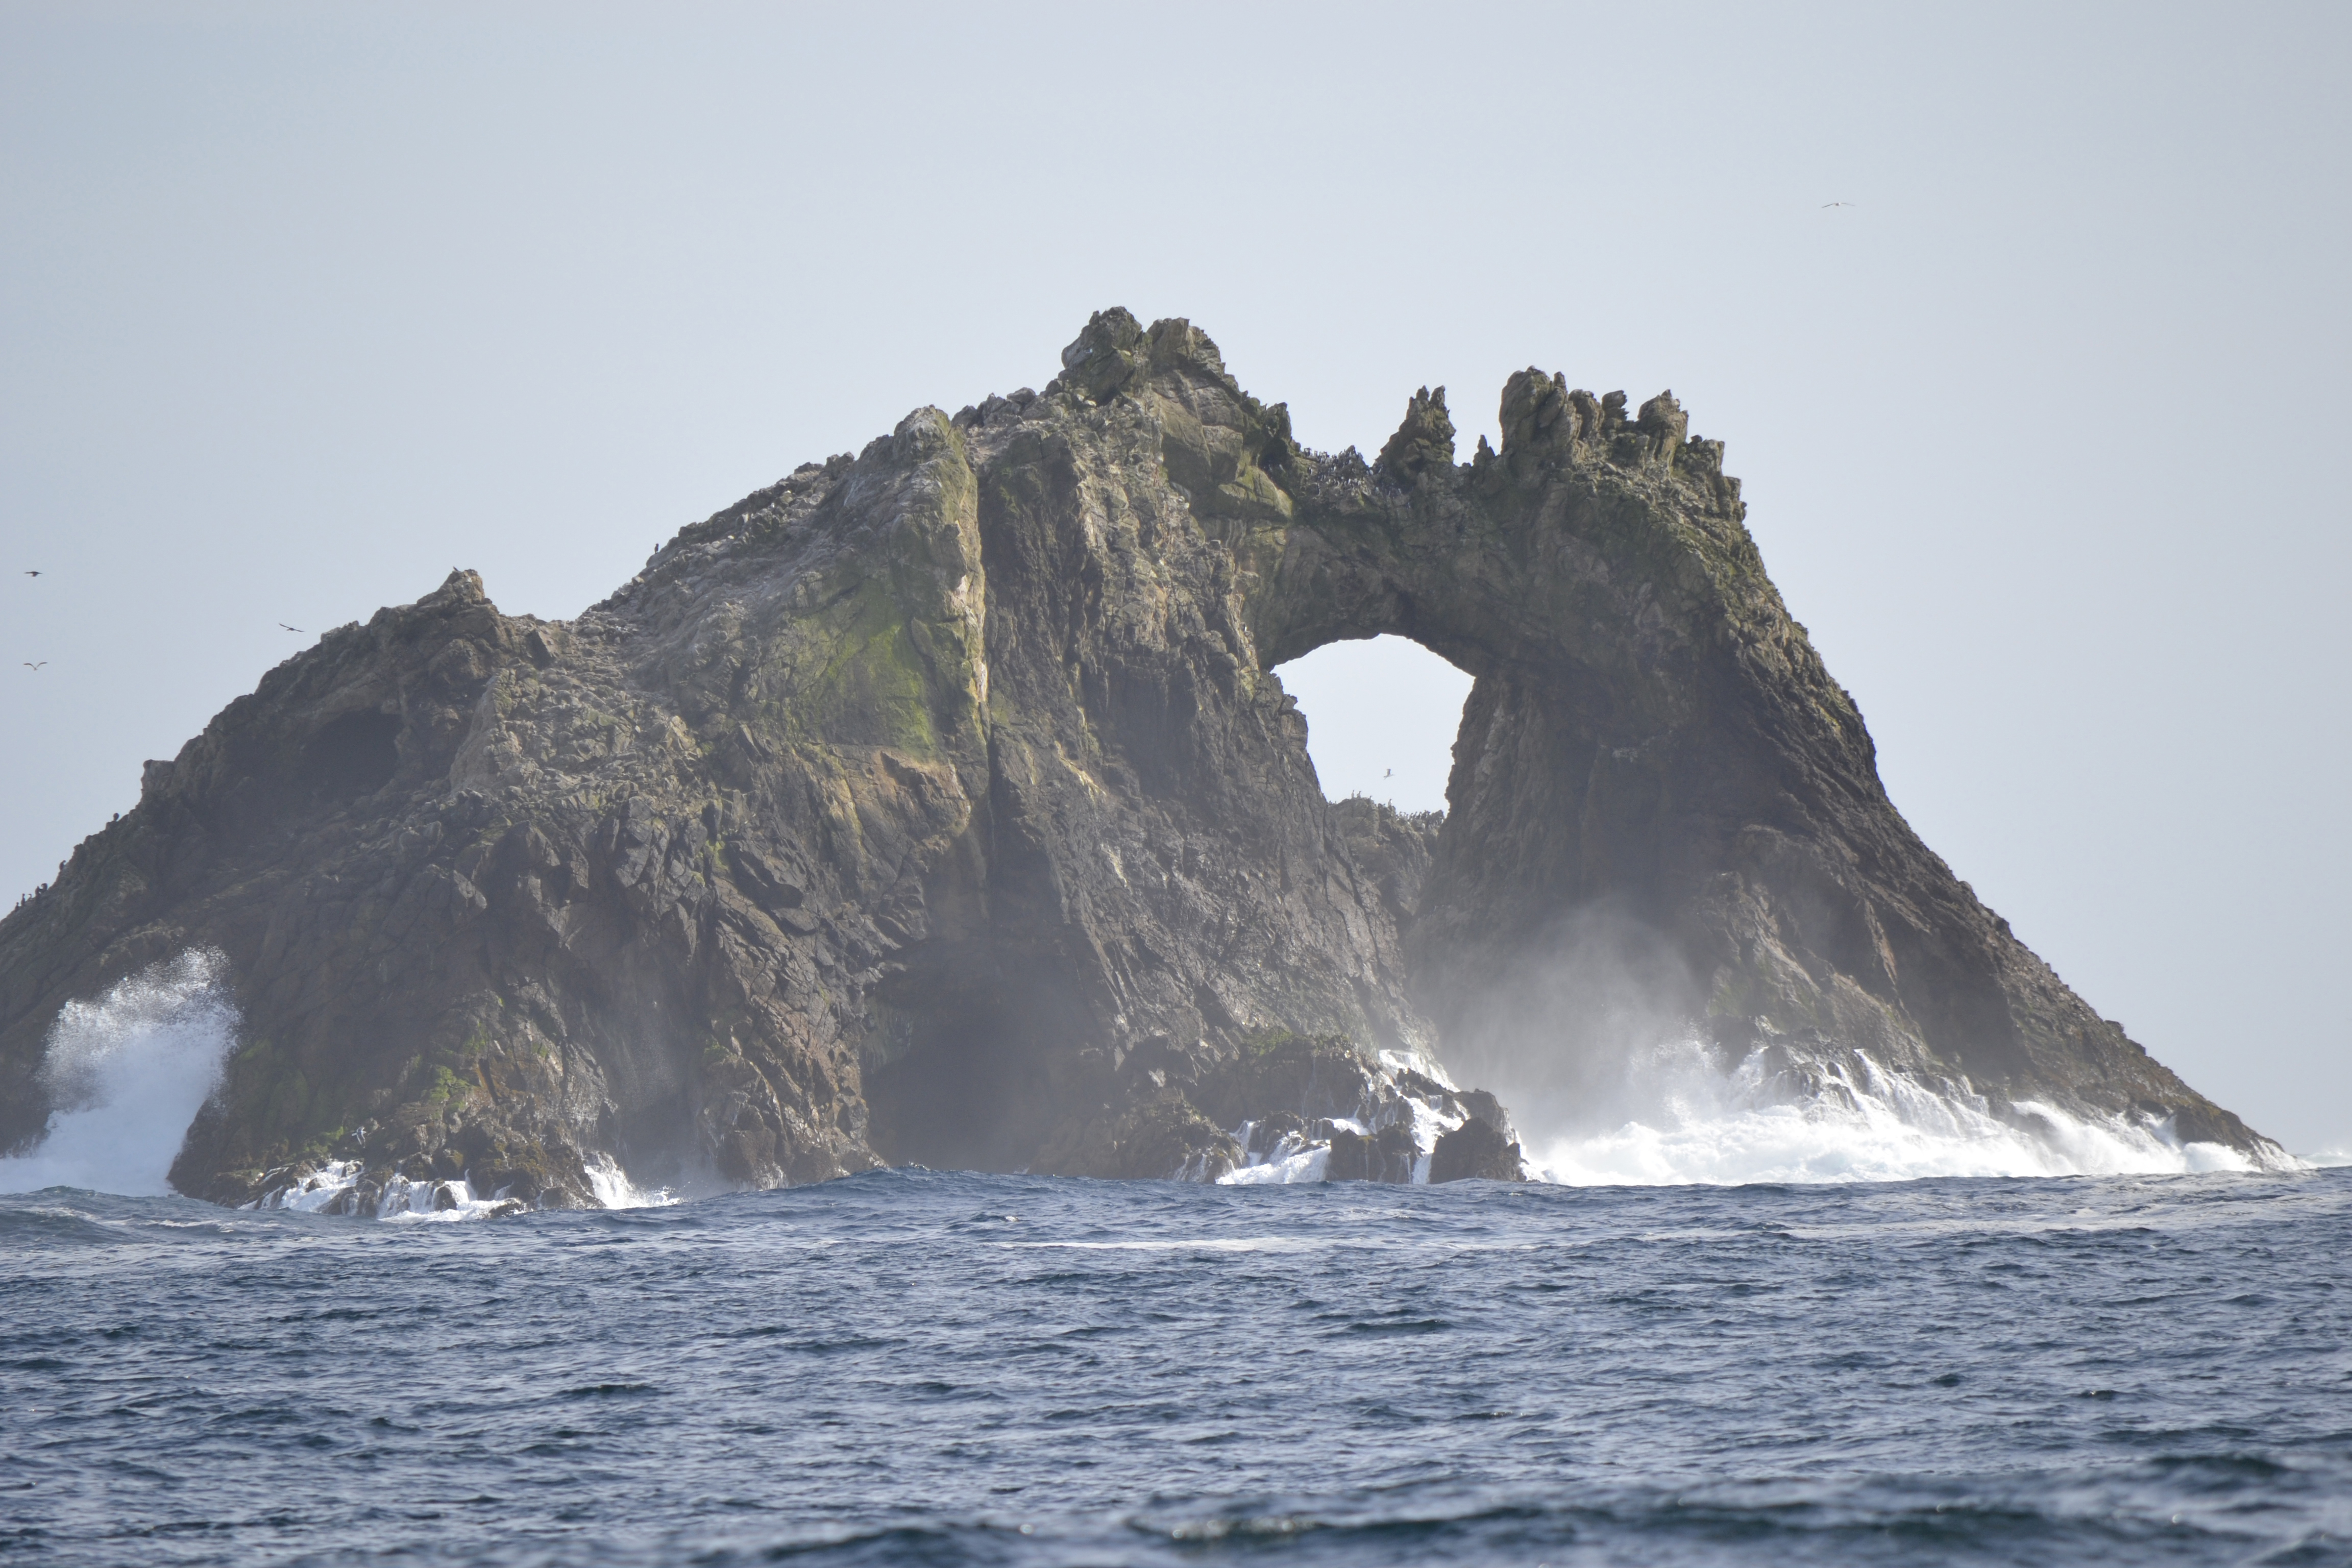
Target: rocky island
{"x": 937, "y": 804}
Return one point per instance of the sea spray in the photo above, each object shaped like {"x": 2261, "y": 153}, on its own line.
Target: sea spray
{"x": 1405, "y": 1090}
{"x": 1780, "y": 1115}
{"x": 344, "y": 1187}
{"x": 1591, "y": 1041}
{"x": 126, "y": 1074}
{"x": 615, "y": 1190}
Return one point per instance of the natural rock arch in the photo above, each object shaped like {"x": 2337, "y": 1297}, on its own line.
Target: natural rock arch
{"x": 1650, "y": 731}
{"x": 935, "y": 802}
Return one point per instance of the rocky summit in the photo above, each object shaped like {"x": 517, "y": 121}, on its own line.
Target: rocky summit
{"x": 937, "y": 804}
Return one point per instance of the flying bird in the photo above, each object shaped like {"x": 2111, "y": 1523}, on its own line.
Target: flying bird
{"x": 1826, "y": 205}
{"x": 1388, "y": 773}
{"x": 294, "y": 628}
{"x": 35, "y": 669}
{"x": 32, "y": 573}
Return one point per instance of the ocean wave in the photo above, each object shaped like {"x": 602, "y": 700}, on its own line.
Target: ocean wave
{"x": 615, "y": 1190}
{"x": 1409, "y": 1092}
{"x": 1781, "y": 1115}
{"x": 341, "y": 1187}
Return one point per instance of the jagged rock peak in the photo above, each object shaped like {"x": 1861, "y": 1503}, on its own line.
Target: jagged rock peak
{"x": 1115, "y": 352}
{"x": 1423, "y": 441}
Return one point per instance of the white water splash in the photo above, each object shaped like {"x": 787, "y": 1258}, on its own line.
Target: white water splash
{"x": 336, "y": 1187}
{"x": 615, "y": 1190}
{"x": 316, "y": 1193}
{"x": 1305, "y": 1155}
{"x": 128, "y": 1073}
{"x": 1294, "y": 1159}
{"x": 324, "y": 1189}
{"x": 1699, "y": 1124}
{"x": 431, "y": 1201}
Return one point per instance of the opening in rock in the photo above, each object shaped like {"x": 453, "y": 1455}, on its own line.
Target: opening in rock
{"x": 1382, "y": 715}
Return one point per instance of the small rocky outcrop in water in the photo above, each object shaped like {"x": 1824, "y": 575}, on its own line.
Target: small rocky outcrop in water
{"x": 1475, "y": 1151}
{"x": 937, "y": 804}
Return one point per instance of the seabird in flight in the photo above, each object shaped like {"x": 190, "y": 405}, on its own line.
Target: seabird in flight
{"x": 35, "y": 669}
{"x": 294, "y": 628}
{"x": 1826, "y": 205}
{"x": 32, "y": 573}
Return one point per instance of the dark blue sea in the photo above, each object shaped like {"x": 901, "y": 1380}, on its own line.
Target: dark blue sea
{"x": 914, "y": 1367}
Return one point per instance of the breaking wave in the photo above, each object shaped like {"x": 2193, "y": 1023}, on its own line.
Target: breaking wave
{"x": 335, "y": 1188}
{"x": 1777, "y": 1116}
{"x": 1682, "y": 1114}
{"x": 1409, "y": 1093}
{"x": 344, "y": 1187}
{"x": 127, "y": 1074}
{"x": 615, "y": 1190}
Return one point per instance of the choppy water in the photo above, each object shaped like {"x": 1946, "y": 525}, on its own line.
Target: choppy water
{"x": 914, "y": 1367}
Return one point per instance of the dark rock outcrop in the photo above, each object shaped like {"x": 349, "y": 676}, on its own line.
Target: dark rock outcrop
{"x": 1475, "y": 1151}
{"x": 937, "y": 804}
{"x": 1387, "y": 1154}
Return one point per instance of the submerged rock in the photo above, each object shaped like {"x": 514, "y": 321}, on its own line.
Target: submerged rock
{"x": 937, "y": 804}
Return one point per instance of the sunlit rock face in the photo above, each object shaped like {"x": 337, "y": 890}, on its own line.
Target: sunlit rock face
{"x": 936, "y": 804}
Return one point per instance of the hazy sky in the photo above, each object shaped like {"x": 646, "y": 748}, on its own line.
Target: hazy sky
{"x": 303, "y": 305}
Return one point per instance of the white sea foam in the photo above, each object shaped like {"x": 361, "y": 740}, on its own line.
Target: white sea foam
{"x": 1291, "y": 1161}
{"x": 1294, "y": 1158}
{"x": 614, "y": 1190}
{"x": 1297, "y": 1157}
{"x": 128, "y": 1073}
{"x": 1694, "y": 1122}
{"x": 432, "y": 1200}
{"x": 317, "y": 1191}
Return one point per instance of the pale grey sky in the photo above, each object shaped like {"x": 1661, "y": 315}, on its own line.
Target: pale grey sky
{"x": 301, "y": 306}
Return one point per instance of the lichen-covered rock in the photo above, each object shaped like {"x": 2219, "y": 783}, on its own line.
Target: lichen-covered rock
{"x": 937, "y": 804}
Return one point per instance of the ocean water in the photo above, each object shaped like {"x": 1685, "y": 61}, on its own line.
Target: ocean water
{"x": 917, "y": 1367}
{"x": 1679, "y": 1117}
{"x": 1873, "y": 1322}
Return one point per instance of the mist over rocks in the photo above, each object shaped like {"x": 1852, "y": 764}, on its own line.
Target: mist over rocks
{"x": 937, "y": 804}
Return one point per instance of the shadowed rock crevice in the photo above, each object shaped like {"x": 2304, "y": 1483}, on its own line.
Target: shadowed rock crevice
{"x": 937, "y": 804}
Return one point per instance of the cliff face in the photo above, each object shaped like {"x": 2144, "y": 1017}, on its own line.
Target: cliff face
{"x": 936, "y": 804}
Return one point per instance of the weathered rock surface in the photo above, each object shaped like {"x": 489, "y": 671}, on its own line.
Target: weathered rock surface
{"x": 1394, "y": 848}
{"x": 936, "y": 804}
{"x": 1475, "y": 1151}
